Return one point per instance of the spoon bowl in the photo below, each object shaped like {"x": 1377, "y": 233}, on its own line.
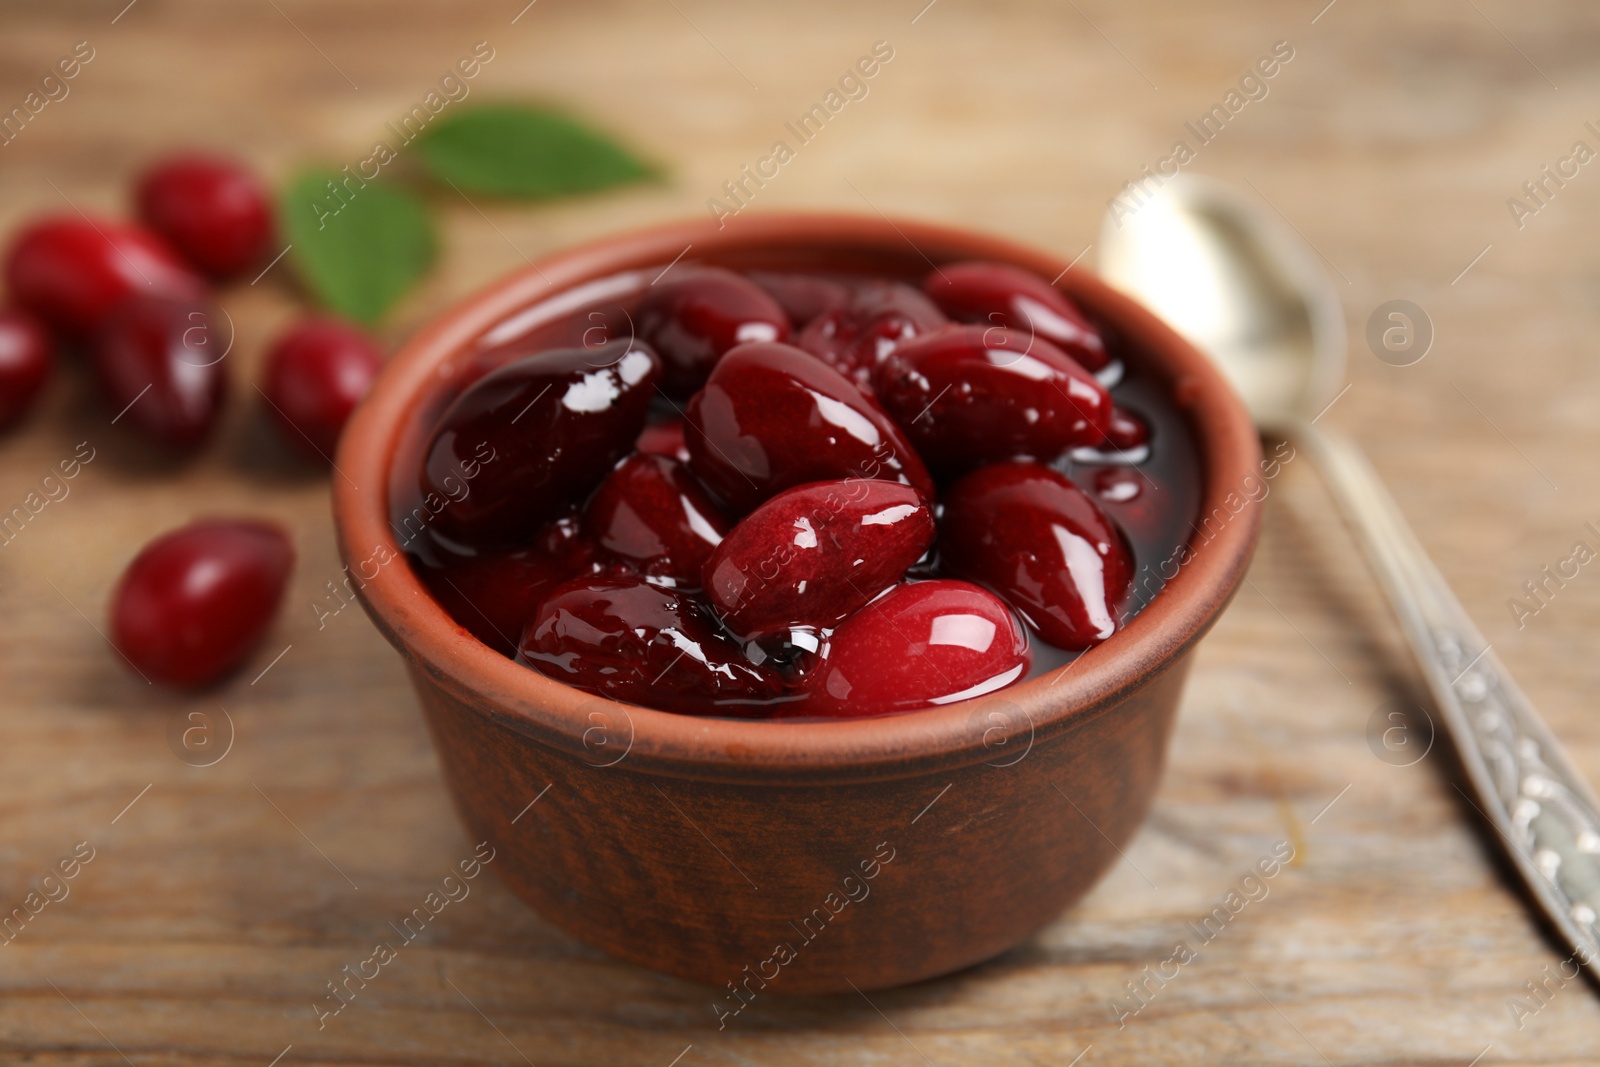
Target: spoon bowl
{"x": 1238, "y": 285}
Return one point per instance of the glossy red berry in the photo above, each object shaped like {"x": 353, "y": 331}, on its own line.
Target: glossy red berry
{"x": 664, "y": 439}
{"x": 969, "y": 395}
{"x": 194, "y": 602}
{"x": 651, "y": 514}
{"x": 493, "y": 596}
{"x": 623, "y": 638}
{"x": 996, "y": 294}
{"x": 315, "y": 374}
{"x": 921, "y": 644}
{"x": 812, "y": 555}
{"x": 771, "y": 417}
{"x": 565, "y": 540}
{"x": 528, "y": 440}
{"x": 1131, "y": 498}
{"x": 877, "y": 315}
{"x": 215, "y": 212}
{"x": 692, "y": 318}
{"x": 1118, "y": 485}
{"x": 72, "y": 271}
{"x": 1027, "y": 532}
{"x": 159, "y": 362}
{"x": 26, "y": 359}
{"x": 1125, "y": 432}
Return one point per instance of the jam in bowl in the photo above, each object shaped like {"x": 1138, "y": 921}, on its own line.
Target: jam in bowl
{"x": 832, "y": 441}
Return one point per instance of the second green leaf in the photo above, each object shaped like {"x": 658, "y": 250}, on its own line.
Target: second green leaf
{"x": 520, "y": 151}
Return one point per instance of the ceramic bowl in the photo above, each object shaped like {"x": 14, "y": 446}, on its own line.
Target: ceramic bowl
{"x": 768, "y": 858}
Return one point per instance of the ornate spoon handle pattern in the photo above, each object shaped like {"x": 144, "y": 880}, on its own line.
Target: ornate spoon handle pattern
{"x": 1525, "y": 786}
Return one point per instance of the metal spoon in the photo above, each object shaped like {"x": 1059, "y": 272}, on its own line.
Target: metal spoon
{"x": 1251, "y": 295}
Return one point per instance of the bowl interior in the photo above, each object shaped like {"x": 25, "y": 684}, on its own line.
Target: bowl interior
{"x": 431, "y": 367}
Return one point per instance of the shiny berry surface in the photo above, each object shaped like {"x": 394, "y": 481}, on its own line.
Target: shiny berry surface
{"x": 194, "y": 602}
{"x": 853, "y": 337}
{"x": 215, "y": 212}
{"x": 494, "y": 595}
{"x": 160, "y": 364}
{"x": 772, "y": 417}
{"x": 1125, "y": 432}
{"x": 315, "y": 374}
{"x": 771, "y": 545}
{"x": 1135, "y": 503}
{"x": 995, "y": 294}
{"x": 812, "y": 555}
{"x": 527, "y": 440}
{"x": 651, "y": 514}
{"x": 1031, "y": 535}
{"x": 921, "y": 644}
{"x": 565, "y": 540}
{"x": 72, "y": 271}
{"x": 622, "y": 638}
{"x": 697, "y": 314}
{"x": 969, "y": 395}
{"x": 1118, "y": 485}
{"x": 26, "y": 359}
{"x": 664, "y": 439}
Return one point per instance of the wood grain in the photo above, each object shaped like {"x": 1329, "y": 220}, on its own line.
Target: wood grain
{"x": 219, "y": 904}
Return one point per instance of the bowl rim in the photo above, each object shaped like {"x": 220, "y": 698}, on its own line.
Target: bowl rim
{"x": 998, "y": 729}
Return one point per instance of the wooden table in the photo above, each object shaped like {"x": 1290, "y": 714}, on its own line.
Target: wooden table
{"x": 221, "y": 899}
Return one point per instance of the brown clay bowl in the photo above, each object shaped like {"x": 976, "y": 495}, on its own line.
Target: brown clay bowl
{"x": 798, "y": 857}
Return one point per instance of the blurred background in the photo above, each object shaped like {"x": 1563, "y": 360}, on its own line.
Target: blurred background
{"x": 1394, "y": 138}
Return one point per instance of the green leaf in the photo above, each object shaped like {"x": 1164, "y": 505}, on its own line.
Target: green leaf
{"x": 357, "y": 246}
{"x": 521, "y": 151}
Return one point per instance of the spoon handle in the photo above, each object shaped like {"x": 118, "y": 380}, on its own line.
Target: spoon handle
{"x": 1525, "y": 785}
